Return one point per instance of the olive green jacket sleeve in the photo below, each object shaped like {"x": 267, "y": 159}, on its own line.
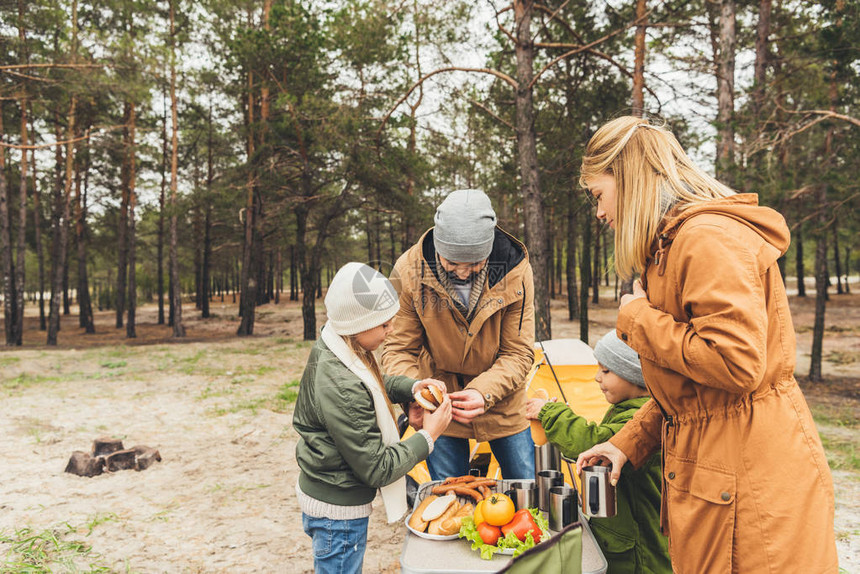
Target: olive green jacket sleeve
{"x": 631, "y": 540}
{"x": 341, "y": 453}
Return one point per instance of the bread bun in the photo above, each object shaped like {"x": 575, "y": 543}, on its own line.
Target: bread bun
{"x": 415, "y": 521}
{"x": 429, "y": 397}
{"x": 439, "y": 507}
{"x": 450, "y": 526}
{"x": 444, "y": 525}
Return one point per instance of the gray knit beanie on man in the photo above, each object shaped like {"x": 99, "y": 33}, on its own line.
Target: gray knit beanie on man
{"x": 615, "y": 355}
{"x": 465, "y": 225}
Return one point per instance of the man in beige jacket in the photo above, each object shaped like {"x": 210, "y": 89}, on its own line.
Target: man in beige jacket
{"x": 467, "y": 318}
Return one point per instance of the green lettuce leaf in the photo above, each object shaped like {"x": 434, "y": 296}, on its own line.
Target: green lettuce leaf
{"x": 469, "y": 531}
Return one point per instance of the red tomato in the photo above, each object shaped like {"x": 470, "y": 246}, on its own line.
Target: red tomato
{"x": 522, "y": 523}
{"x": 489, "y": 534}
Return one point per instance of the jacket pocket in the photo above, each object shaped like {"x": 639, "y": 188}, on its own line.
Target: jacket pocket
{"x": 701, "y": 515}
{"x": 618, "y": 549}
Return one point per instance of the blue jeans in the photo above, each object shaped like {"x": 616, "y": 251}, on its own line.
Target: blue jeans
{"x": 515, "y": 453}
{"x": 339, "y": 545}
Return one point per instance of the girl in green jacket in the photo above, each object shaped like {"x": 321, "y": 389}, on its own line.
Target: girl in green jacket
{"x": 349, "y": 447}
{"x": 631, "y": 540}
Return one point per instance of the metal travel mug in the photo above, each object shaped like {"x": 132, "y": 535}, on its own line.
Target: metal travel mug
{"x": 546, "y": 479}
{"x": 598, "y": 496}
{"x": 524, "y": 494}
{"x": 547, "y": 457}
{"x": 562, "y": 507}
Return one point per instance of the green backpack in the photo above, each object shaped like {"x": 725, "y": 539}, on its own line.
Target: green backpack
{"x": 561, "y": 553}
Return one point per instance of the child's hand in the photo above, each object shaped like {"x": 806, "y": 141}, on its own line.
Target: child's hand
{"x": 416, "y": 415}
{"x": 533, "y": 408}
{"x": 436, "y": 422}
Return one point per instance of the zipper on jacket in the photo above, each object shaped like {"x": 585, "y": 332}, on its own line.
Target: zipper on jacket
{"x": 522, "y": 309}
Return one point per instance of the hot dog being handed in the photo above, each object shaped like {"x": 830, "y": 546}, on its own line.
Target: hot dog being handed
{"x": 416, "y": 411}
{"x": 429, "y": 393}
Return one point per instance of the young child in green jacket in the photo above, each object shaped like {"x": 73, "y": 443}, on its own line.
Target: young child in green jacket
{"x": 631, "y": 540}
{"x": 349, "y": 446}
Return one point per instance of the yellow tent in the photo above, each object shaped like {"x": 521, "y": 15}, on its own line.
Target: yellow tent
{"x": 565, "y": 369}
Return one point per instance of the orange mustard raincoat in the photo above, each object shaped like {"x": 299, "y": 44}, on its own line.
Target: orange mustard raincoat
{"x": 746, "y": 486}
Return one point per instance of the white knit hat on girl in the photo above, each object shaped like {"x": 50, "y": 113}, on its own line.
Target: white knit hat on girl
{"x": 359, "y": 298}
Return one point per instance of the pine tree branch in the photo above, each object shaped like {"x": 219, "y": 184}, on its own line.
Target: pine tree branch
{"x": 506, "y": 78}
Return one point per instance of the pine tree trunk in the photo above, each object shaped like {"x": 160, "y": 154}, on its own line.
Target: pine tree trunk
{"x": 198, "y": 246}
{"x": 6, "y": 247}
{"x": 122, "y": 223}
{"x": 207, "y": 222}
{"x": 85, "y": 306}
{"x": 259, "y": 262}
{"x": 37, "y": 227}
{"x": 130, "y": 330}
{"x": 584, "y": 277}
{"x": 279, "y": 275}
{"x": 570, "y": 267}
{"x": 248, "y": 295}
{"x": 294, "y": 275}
{"x": 559, "y": 256}
{"x": 761, "y": 58}
{"x": 368, "y": 230}
{"x": 798, "y": 251}
{"x": 639, "y": 58}
{"x": 308, "y": 276}
{"x": 820, "y": 285}
{"x": 161, "y": 205}
{"x": 61, "y": 230}
{"x": 724, "y": 39}
{"x": 551, "y": 252}
{"x": 530, "y": 187}
{"x": 836, "y": 261}
{"x": 178, "y": 327}
{"x": 20, "y": 265}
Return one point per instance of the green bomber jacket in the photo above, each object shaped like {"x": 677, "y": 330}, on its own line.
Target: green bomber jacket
{"x": 341, "y": 456}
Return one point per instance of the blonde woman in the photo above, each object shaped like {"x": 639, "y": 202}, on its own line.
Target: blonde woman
{"x": 746, "y": 486}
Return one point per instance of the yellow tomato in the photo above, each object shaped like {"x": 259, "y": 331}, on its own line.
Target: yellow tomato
{"x": 498, "y": 509}
{"x": 479, "y": 515}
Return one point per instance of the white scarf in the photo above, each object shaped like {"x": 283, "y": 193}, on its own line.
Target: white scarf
{"x": 394, "y": 494}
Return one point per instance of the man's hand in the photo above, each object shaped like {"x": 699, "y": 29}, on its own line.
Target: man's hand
{"x": 468, "y": 404}
{"x": 638, "y": 293}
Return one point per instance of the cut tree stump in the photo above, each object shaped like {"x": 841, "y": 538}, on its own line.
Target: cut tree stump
{"x": 83, "y": 464}
{"x": 108, "y": 455}
{"x": 106, "y": 445}
{"x": 120, "y": 460}
{"x": 145, "y": 456}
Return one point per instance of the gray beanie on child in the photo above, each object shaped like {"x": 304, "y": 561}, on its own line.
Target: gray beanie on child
{"x": 465, "y": 226}
{"x": 359, "y": 298}
{"x": 618, "y": 357}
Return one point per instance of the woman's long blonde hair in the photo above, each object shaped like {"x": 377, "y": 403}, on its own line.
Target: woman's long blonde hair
{"x": 652, "y": 172}
{"x": 369, "y": 360}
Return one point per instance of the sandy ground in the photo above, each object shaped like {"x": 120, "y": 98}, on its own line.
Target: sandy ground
{"x": 222, "y": 498}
